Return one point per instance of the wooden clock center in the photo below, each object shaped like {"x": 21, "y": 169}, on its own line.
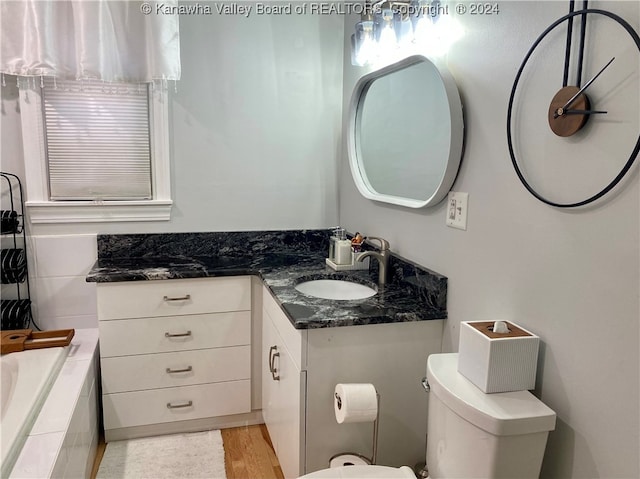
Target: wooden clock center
{"x": 561, "y": 123}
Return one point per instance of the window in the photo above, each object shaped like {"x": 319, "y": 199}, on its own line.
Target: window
{"x": 97, "y": 142}
{"x": 96, "y": 152}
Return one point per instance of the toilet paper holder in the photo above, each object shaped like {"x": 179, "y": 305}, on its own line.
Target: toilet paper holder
{"x": 374, "y": 454}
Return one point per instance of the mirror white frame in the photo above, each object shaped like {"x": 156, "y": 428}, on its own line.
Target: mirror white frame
{"x": 448, "y": 167}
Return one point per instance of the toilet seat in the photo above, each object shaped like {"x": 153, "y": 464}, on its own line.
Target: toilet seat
{"x": 362, "y": 472}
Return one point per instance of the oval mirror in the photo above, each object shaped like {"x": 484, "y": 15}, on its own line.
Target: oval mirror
{"x": 406, "y": 133}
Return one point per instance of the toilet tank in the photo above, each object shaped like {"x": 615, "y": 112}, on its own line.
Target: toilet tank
{"x": 473, "y": 434}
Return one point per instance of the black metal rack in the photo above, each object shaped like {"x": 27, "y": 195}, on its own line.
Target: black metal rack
{"x": 16, "y": 301}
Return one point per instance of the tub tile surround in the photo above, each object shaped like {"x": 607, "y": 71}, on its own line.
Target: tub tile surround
{"x": 61, "y": 296}
{"x": 64, "y": 437}
{"x": 281, "y": 259}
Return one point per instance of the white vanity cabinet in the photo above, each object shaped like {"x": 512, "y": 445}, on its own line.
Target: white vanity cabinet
{"x": 174, "y": 354}
{"x": 301, "y": 368}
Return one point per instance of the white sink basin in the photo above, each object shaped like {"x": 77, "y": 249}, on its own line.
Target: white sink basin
{"x": 335, "y": 289}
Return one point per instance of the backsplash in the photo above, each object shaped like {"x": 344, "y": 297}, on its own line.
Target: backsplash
{"x": 430, "y": 287}
{"x": 230, "y": 244}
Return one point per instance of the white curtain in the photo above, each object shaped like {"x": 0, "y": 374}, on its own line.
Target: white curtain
{"x": 105, "y": 40}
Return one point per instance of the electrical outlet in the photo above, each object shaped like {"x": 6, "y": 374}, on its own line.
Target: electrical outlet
{"x": 457, "y": 210}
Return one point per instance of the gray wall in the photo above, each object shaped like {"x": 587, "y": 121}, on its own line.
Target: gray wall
{"x": 255, "y": 126}
{"x": 571, "y": 276}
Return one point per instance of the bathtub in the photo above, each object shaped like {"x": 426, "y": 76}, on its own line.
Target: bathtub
{"x": 63, "y": 440}
{"x": 26, "y": 377}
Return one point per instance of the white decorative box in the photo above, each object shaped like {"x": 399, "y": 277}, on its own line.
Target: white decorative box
{"x": 354, "y": 265}
{"x": 498, "y": 362}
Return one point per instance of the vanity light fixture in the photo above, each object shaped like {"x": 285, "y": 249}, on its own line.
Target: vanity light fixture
{"x": 391, "y": 29}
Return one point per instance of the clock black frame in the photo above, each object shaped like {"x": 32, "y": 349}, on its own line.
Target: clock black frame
{"x": 636, "y": 149}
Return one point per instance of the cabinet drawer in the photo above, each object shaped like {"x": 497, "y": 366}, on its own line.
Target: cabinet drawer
{"x": 158, "y": 335}
{"x": 152, "y": 407}
{"x": 186, "y": 368}
{"x": 173, "y": 297}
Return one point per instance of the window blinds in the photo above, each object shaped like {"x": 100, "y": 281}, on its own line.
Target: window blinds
{"x": 97, "y": 140}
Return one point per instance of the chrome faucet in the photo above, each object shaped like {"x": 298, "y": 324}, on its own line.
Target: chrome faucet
{"x": 382, "y": 257}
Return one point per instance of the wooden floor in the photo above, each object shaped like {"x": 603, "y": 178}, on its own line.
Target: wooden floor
{"x": 248, "y": 454}
{"x": 96, "y": 462}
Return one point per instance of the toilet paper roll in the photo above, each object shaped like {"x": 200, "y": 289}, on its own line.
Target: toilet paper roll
{"x": 355, "y": 403}
{"x": 343, "y": 460}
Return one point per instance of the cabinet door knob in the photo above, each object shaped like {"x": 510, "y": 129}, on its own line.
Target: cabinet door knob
{"x": 186, "y": 297}
{"x": 184, "y": 370}
{"x": 178, "y": 406}
{"x": 273, "y": 354}
{"x": 177, "y": 335}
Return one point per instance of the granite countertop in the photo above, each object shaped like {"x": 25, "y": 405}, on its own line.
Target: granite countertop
{"x": 411, "y": 294}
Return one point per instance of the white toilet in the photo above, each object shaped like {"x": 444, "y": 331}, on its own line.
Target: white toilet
{"x": 471, "y": 434}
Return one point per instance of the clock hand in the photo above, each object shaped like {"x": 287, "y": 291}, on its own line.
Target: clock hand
{"x": 583, "y": 112}
{"x": 586, "y": 85}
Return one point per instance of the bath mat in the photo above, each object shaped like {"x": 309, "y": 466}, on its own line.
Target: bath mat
{"x": 193, "y": 455}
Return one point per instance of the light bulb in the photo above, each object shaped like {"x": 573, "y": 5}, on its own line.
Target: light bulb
{"x": 387, "y": 43}
{"x": 365, "y": 45}
{"x": 445, "y": 32}
{"x": 404, "y": 31}
{"x": 422, "y": 30}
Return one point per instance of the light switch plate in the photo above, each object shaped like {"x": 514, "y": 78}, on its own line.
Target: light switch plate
{"x": 457, "y": 204}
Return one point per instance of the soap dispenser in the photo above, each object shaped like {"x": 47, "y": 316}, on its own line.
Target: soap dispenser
{"x": 338, "y": 234}
{"x": 343, "y": 252}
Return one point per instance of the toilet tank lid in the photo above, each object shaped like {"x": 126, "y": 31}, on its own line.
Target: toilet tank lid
{"x": 501, "y": 414}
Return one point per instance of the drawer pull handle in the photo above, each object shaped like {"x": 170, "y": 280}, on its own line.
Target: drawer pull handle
{"x": 178, "y": 406}
{"x": 186, "y": 297}
{"x": 273, "y": 354}
{"x": 184, "y": 370}
{"x": 177, "y": 335}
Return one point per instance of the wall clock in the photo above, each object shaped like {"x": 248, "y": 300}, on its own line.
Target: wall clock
{"x": 578, "y": 143}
